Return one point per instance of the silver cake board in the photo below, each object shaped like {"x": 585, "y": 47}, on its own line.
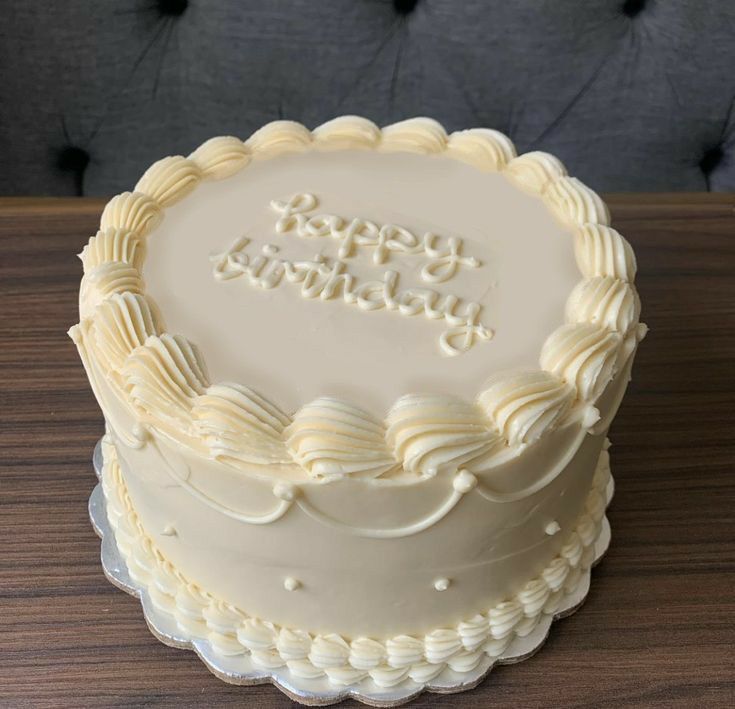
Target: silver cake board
{"x": 318, "y": 692}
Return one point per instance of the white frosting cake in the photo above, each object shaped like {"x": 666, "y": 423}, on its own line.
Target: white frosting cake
{"x": 357, "y": 385}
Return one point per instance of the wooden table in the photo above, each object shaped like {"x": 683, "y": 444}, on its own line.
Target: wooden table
{"x": 657, "y": 628}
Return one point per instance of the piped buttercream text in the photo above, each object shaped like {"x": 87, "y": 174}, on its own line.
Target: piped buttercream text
{"x": 444, "y": 255}
{"x": 327, "y": 279}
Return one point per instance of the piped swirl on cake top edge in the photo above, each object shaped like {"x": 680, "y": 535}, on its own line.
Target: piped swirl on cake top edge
{"x": 163, "y": 379}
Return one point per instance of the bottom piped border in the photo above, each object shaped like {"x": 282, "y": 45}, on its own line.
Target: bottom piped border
{"x": 320, "y": 692}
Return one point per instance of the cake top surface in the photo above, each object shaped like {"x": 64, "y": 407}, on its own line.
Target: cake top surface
{"x": 352, "y": 301}
{"x": 310, "y": 274}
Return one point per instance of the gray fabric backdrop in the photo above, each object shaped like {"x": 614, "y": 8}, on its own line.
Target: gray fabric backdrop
{"x": 631, "y": 94}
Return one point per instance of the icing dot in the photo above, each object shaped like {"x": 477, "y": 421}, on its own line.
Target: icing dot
{"x": 441, "y": 584}
{"x": 552, "y": 528}
{"x": 139, "y": 431}
{"x": 464, "y": 481}
{"x": 270, "y": 250}
{"x": 285, "y": 491}
{"x": 169, "y": 531}
{"x": 291, "y": 584}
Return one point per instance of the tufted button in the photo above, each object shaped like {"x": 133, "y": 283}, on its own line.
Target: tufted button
{"x": 711, "y": 159}
{"x": 172, "y": 8}
{"x": 632, "y": 7}
{"x": 405, "y": 7}
{"x": 72, "y": 158}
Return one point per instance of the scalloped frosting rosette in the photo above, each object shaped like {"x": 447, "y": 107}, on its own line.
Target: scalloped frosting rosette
{"x": 163, "y": 379}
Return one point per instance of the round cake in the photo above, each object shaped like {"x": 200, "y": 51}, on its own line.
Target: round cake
{"x": 357, "y": 385}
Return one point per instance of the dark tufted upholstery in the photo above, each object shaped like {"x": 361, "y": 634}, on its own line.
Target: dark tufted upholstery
{"x": 631, "y": 94}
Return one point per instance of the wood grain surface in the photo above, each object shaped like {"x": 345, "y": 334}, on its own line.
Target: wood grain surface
{"x": 657, "y": 627}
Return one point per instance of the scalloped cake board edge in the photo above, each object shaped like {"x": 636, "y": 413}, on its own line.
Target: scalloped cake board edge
{"x": 319, "y": 692}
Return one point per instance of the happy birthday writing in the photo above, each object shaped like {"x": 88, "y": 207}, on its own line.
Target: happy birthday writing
{"x": 327, "y": 279}
{"x": 444, "y": 258}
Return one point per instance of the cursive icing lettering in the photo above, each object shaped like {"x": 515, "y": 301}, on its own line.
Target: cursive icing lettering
{"x": 444, "y": 256}
{"x": 328, "y": 279}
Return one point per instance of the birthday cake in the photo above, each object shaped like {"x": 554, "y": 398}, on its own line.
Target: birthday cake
{"x": 357, "y": 385}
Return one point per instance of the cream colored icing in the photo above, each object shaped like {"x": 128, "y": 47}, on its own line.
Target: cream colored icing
{"x": 327, "y": 279}
{"x": 444, "y": 256}
{"x": 165, "y": 380}
{"x": 344, "y": 659}
{"x": 355, "y": 540}
{"x": 311, "y": 480}
{"x": 353, "y": 184}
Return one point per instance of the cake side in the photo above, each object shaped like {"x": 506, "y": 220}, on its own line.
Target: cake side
{"x": 414, "y": 662}
{"x": 368, "y": 557}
